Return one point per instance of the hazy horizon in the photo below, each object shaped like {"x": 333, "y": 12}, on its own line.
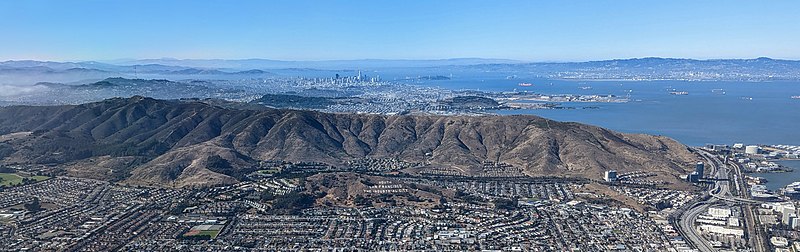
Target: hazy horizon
{"x": 130, "y": 60}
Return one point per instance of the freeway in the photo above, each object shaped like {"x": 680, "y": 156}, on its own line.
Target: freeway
{"x": 688, "y": 217}
{"x": 719, "y": 191}
{"x": 686, "y": 225}
{"x": 735, "y": 199}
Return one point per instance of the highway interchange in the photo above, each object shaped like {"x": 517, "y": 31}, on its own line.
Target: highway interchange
{"x": 718, "y": 193}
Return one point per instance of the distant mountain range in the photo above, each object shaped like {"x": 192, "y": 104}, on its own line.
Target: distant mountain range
{"x": 760, "y": 69}
{"x": 28, "y": 72}
{"x": 92, "y": 66}
{"x": 157, "y": 142}
{"x": 322, "y": 64}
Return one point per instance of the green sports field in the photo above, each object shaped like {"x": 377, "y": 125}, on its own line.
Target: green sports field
{"x": 11, "y": 179}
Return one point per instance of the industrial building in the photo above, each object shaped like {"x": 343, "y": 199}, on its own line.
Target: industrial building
{"x": 751, "y": 149}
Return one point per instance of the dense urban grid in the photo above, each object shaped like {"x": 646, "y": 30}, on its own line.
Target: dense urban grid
{"x": 82, "y": 214}
{"x": 336, "y": 94}
{"x": 499, "y": 210}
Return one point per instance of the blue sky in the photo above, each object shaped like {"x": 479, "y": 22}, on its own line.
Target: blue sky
{"x": 322, "y": 30}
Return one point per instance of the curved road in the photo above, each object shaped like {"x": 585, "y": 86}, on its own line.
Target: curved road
{"x": 719, "y": 191}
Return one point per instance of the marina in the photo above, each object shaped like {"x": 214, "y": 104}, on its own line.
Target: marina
{"x": 778, "y": 181}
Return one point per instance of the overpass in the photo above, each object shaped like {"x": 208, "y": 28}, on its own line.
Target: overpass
{"x": 736, "y": 199}
{"x": 718, "y": 191}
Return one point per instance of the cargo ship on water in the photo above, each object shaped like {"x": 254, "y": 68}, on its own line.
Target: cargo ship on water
{"x": 525, "y": 84}
{"x": 795, "y": 97}
{"x": 679, "y": 93}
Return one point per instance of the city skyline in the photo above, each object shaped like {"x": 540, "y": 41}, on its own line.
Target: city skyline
{"x": 331, "y": 30}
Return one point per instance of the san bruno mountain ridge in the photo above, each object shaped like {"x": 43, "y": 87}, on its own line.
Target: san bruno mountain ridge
{"x": 145, "y": 141}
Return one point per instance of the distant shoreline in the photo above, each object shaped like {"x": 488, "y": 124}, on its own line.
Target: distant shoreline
{"x": 683, "y": 80}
